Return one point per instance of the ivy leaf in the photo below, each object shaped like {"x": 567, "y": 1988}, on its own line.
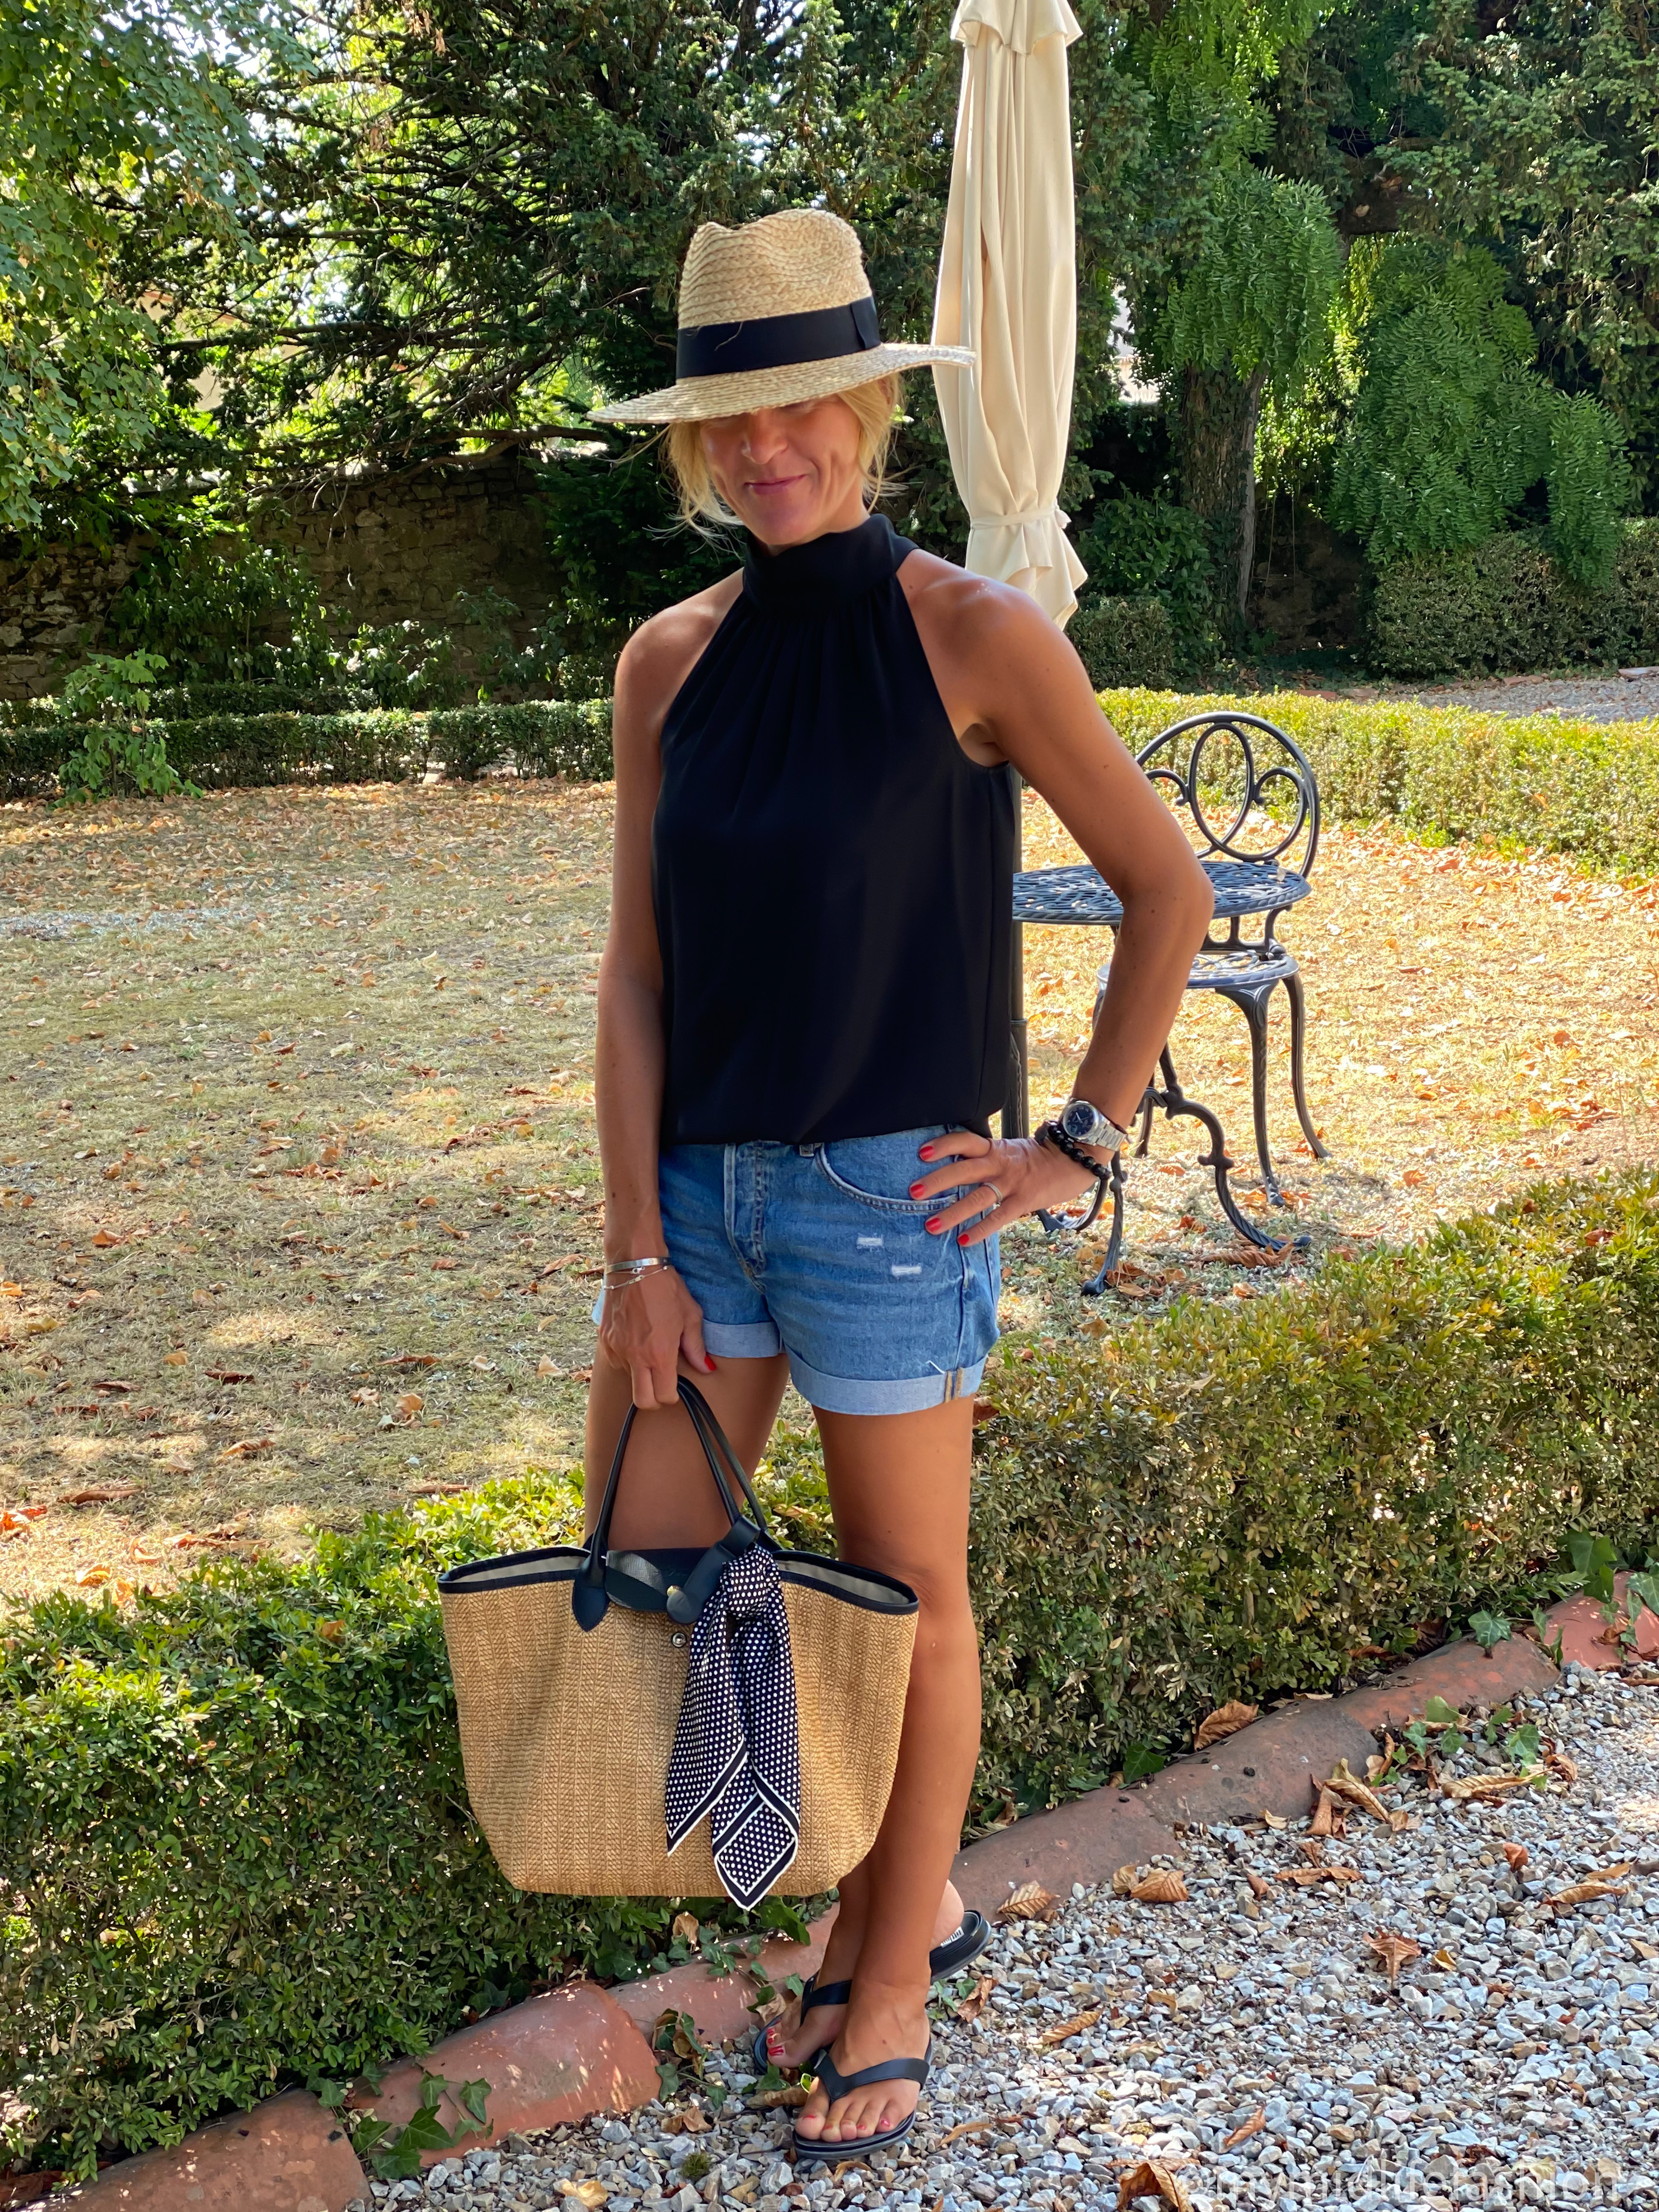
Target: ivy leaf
{"x": 1488, "y": 1629}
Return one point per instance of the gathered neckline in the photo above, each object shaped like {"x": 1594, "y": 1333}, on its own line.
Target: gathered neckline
{"x": 828, "y": 572}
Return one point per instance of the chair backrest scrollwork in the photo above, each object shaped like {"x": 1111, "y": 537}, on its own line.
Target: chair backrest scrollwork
{"x": 1246, "y": 790}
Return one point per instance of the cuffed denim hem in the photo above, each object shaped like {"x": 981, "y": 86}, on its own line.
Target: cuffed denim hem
{"x": 740, "y": 1339}
{"x": 910, "y": 1393}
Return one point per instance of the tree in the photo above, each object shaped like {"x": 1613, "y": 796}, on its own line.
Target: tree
{"x": 114, "y": 123}
{"x": 1253, "y": 312}
{"x": 1450, "y": 425}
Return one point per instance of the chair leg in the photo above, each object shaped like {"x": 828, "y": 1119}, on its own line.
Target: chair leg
{"x": 1115, "y": 1242}
{"x": 1299, "y": 1030}
{"x": 1253, "y": 1005}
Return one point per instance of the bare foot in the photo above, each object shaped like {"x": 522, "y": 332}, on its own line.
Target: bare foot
{"x": 881, "y": 2024}
{"x": 793, "y": 2040}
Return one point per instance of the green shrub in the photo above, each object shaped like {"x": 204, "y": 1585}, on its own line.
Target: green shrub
{"x": 1507, "y": 606}
{"x": 1125, "y": 641}
{"x": 233, "y": 1830}
{"x": 1224, "y": 1504}
{"x": 1134, "y": 547}
{"x": 552, "y": 736}
{"x": 184, "y": 703}
{"x": 113, "y": 760}
{"x": 234, "y": 1844}
{"x": 1588, "y": 789}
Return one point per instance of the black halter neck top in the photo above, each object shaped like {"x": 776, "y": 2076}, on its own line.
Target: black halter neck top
{"x": 833, "y": 876}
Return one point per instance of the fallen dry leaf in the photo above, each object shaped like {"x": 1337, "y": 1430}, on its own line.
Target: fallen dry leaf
{"x": 1152, "y": 2177}
{"x": 1559, "y": 1763}
{"x": 1160, "y": 1885}
{"x": 1306, "y": 1877}
{"x": 1327, "y": 1820}
{"x": 412, "y": 1359}
{"x": 979, "y": 2127}
{"x": 969, "y": 2008}
{"x": 175, "y": 1360}
{"x": 686, "y": 1924}
{"x": 1272, "y": 1820}
{"x": 103, "y": 1241}
{"x": 1394, "y": 1952}
{"x": 1604, "y": 1881}
{"x": 1517, "y": 1855}
{"x": 1480, "y": 1789}
{"x": 1064, "y": 2030}
{"x": 249, "y": 1448}
{"x": 773, "y": 2100}
{"x": 230, "y": 1374}
{"x": 11, "y": 1289}
{"x": 1226, "y": 1720}
{"x": 92, "y": 1577}
{"x": 590, "y": 2193}
{"x": 1258, "y": 1888}
{"x": 99, "y": 1494}
{"x": 437, "y": 1490}
{"x": 1353, "y": 1791}
{"x": 409, "y": 1404}
{"x": 1030, "y": 1901}
{"x": 1444, "y": 1960}
{"x": 1246, "y": 2129}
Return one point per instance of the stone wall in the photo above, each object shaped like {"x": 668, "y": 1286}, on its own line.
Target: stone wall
{"x": 382, "y": 549}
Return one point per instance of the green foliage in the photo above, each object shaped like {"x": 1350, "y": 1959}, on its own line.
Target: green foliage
{"x": 395, "y": 2154}
{"x": 235, "y": 1841}
{"x": 112, "y": 758}
{"x": 106, "y": 681}
{"x": 1125, "y": 640}
{"x": 1506, "y": 605}
{"x": 1134, "y": 547}
{"x": 115, "y": 124}
{"x": 549, "y": 737}
{"x": 1258, "y": 296}
{"x": 1220, "y": 1504}
{"x": 1588, "y": 789}
{"x": 1450, "y": 427}
{"x": 223, "y": 609}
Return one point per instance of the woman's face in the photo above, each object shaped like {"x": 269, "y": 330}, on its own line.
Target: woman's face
{"x": 791, "y": 473}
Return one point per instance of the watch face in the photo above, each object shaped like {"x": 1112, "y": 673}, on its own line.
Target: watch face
{"x": 1080, "y": 1121}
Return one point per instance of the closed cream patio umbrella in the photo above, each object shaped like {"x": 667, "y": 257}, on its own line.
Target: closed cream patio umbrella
{"x": 1007, "y": 287}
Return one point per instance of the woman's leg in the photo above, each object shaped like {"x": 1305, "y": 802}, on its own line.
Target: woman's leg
{"x": 666, "y": 1495}
{"x": 898, "y": 1483}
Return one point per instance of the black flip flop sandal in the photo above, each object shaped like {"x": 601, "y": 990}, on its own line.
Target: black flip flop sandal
{"x": 831, "y": 2078}
{"x": 832, "y": 1993}
{"x": 951, "y": 1957}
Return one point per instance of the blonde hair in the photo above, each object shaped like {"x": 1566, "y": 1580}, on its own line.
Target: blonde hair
{"x": 874, "y": 407}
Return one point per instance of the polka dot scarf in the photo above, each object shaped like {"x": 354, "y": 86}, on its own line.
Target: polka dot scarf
{"x": 737, "y": 1755}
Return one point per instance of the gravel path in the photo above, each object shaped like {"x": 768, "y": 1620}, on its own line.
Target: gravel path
{"x": 1251, "y": 2044}
{"x": 1576, "y": 697}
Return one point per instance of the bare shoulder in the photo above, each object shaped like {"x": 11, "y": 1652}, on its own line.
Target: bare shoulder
{"x": 662, "y": 652}
{"x": 974, "y": 622}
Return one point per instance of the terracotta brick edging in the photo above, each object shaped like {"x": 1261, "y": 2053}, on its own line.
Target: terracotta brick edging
{"x": 579, "y": 2051}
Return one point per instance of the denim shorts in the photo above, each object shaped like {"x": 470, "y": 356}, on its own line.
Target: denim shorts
{"x": 820, "y": 1251}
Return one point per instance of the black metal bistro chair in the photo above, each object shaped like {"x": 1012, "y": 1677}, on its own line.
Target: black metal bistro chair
{"x": 1250, "y": 802}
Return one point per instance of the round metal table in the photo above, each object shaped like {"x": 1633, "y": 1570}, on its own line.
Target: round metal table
{"x": 1079, "y": 896}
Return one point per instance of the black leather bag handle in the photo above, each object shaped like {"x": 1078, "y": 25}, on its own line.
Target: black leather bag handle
{"x": 685, "y": 1601}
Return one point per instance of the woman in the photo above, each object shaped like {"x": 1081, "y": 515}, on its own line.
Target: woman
{"x": 804, "y": 1032}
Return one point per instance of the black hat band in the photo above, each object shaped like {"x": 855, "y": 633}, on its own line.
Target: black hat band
{"x": 777, "y": 341}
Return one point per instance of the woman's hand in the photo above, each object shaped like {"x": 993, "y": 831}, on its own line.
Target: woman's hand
{"x": 648, "y": 1327}
{"x": 1008, "y": 1178}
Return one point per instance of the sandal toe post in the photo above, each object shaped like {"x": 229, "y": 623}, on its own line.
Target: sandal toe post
{"x": 816, "y": 2151}
{"x": 832, "y": 1993}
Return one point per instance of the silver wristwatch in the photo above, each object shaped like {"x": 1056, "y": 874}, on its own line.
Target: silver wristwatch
{"x": 1086, "y": 1125}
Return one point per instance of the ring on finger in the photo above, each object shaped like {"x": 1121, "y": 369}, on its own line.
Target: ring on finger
{"x": 987, "y": 1184}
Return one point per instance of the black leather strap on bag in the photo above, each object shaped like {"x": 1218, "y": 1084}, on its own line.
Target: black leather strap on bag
{"x": 663, "y": 1580}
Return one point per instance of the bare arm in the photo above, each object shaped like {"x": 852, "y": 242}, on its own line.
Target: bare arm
{"x": 650, "y": 1326}
{"x": 1014, "y": 688}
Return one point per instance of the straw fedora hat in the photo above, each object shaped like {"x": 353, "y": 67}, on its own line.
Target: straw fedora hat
{"x": 777, "y": 311}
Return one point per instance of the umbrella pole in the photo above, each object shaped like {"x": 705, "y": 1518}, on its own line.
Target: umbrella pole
{"x": 1016, "y": 1102}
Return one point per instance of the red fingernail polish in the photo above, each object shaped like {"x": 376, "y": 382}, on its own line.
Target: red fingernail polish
{"x": 933, "y": 1226}
{"x": 926, "y": 1153}
{"x": 963, "y": 1239}
{"x": 710, "y": 1357}
{"x": 916, "y": 1190}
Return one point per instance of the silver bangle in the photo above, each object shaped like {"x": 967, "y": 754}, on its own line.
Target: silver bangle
{"x": 621, "y": 1272}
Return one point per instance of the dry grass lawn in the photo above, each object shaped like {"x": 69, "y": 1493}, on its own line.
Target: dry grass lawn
{"x": 298, "y": 1191}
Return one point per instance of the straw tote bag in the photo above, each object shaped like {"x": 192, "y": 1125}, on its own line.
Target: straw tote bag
{"x": 570, "y": 1668}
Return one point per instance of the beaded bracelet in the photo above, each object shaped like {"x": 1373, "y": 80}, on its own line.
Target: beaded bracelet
{"x": 1052, "y": 1134}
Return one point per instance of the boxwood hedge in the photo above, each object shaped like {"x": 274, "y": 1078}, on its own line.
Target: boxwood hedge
{"x": 234, "y": 1846}
{"x": 1588, "y": 789}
